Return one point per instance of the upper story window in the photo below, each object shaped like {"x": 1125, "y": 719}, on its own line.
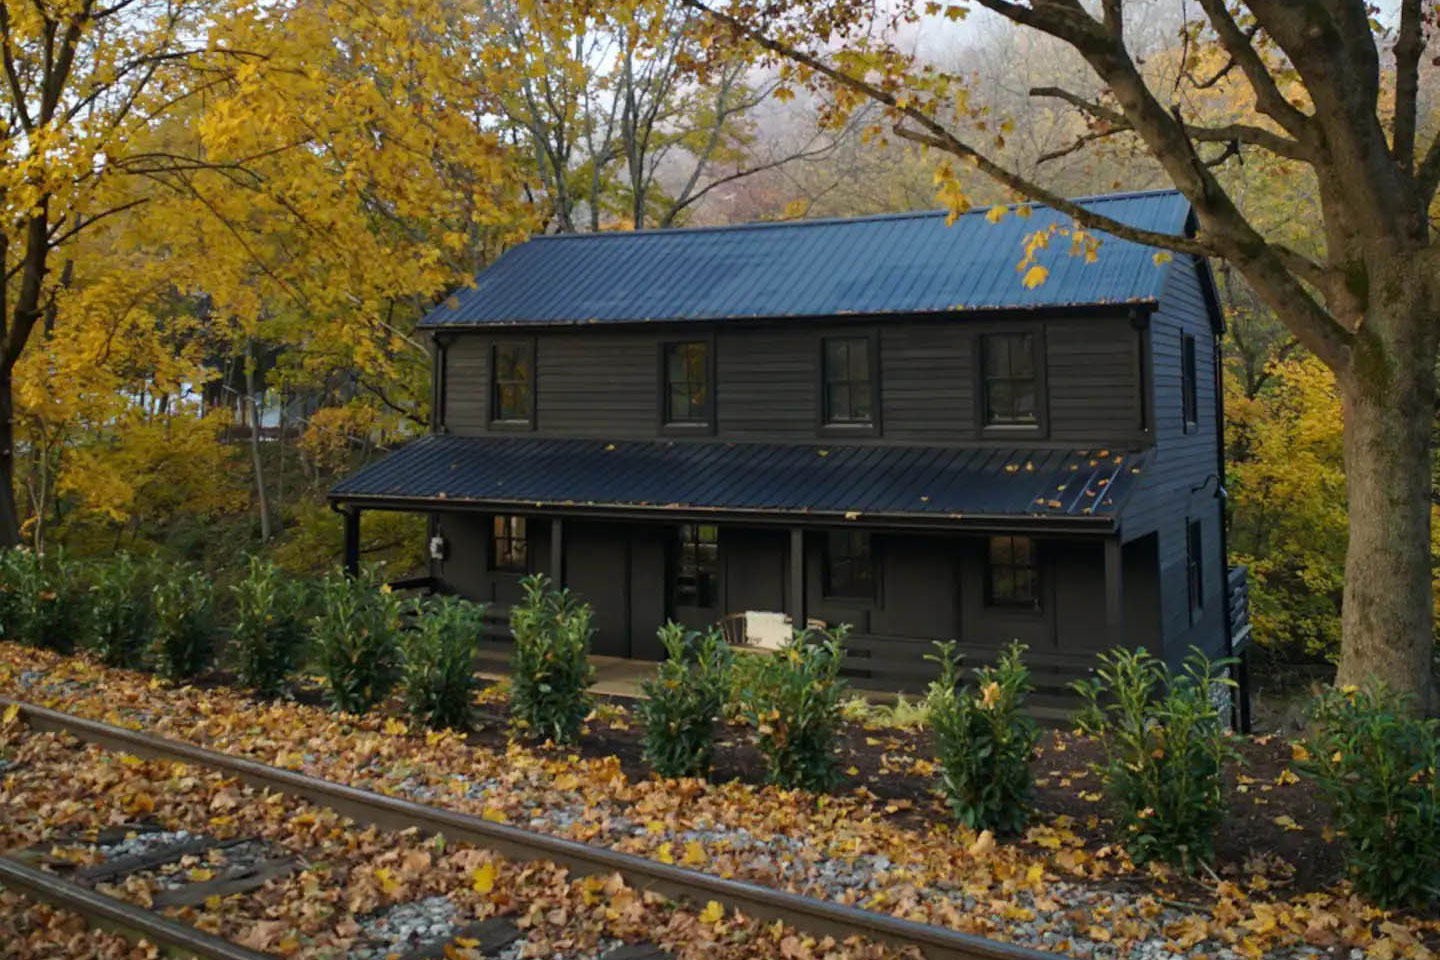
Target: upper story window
{"x": 849, "y": 565}
{"x": 697, "y": 574}
{"x": 510, "y": 549}
{"x": 512, "y": 382}
{"x": 1189, "y": 381}
{"x": 1012, "y": 576}
{"x": 688, "y": 400}
{"x": 1011, "y": 380}
{"x": 1195, "y": 568}
{"x": 848, "y": 381}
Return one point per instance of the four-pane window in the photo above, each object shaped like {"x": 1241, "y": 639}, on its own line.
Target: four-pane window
{"x": 698, "y": 571}
{"x": 513, "y": 385}
{"x": 510, "y": 550}
{"x": 687, "y": 382}
{"x": 1011, "y": 380}
{"x": 1012, "y": 574}
{"x": 849, "y": 382}
{"x": 849, "y": 565}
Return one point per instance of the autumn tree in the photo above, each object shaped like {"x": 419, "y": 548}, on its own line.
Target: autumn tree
{"x": 1333, "y": 92}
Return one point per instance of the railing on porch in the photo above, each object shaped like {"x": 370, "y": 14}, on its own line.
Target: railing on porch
{"x": 1238, "y": 607}
{"x": 495, "y": 625}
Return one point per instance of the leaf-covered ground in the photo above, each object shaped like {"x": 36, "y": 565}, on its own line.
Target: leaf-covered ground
{"x": 1062, "y": 887}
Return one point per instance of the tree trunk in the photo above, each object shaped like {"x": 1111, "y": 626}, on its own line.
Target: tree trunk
{"x": 1388, "y": 397}
{"x": 9, "y": 515}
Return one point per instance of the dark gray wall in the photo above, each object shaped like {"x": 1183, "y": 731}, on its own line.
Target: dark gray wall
{"x": 604, "y": 383}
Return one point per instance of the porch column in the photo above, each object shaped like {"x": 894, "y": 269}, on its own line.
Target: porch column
{"x": 795, "y": 603}
{"x": 352, "y": 540}
{"x": 1114, "y": 592}
{"x": 557, "y": 553}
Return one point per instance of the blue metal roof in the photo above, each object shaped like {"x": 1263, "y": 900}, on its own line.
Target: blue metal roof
{"x": 901, "y": 263}
{"x": 851, "y": 482}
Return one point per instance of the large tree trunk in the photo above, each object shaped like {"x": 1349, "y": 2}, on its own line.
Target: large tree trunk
{"x": 1388, "y": 397}
{"x": 9, "y": 515}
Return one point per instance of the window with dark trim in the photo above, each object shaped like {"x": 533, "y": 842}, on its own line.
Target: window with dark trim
{"x": 1012, "y": 575}
{"x": 509, "y": 549}
{"x": 697, "y": 572}
{"x": 848, "y": 381}
{"x": 1195, "y": 568}
{"x": 687, "y": 383}
{"x": 512, "y": 382}
{"x": 1011, "y": 380}
{"x": 1189, "y": 380}
{"x": 849, "y": 565}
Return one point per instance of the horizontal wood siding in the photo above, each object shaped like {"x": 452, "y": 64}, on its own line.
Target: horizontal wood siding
{"x": 1179, "y": 484}
{"x": 1092, "y": 368}
{"x": 604, "y": 383}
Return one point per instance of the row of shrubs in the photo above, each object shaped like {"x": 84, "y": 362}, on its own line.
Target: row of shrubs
{"x": 1163, "y": 734}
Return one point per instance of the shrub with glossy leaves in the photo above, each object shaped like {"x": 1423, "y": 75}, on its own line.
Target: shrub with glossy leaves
{"x": 794, "y": 704}
{"x": 550, "y": 669}
{"x": 684, "y": 701}
{"x": 439, "y": 671}
{"x": 121, "y": 611}
{"x": 270, "y": 629}
{"x": 984, "y": 740}
{"x": 42, "y": 602}
{"x": 182, "y": 637}
{"x": 1374, "y": 759}
{"x": 355, "y": 640}
{"x": 1165, "y": 744}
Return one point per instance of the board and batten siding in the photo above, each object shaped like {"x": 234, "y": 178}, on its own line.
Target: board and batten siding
{"x": 604, "y": 383}
{"x": 1180, "y": 484}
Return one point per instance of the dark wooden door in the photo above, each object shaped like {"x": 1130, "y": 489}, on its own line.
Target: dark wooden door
{"x": 597, "y": 570}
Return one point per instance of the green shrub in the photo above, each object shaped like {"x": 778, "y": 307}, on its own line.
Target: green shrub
{"x": 44, "y": 603}
{"x": 1374, "y": 761}
{"x": 1165, "y": 743}
{"x": 269, "y": 631}
{"x": 439, "y": 671}
{"x": 121, "y": 613}
{"x": 182, "y": 636}
{"x": 794, "y": 704}
{"x": 984, "y": 740}
{"x": 684, "y": 701}
{"x": 355, "y": 640}
{"x": 550, "y": 670}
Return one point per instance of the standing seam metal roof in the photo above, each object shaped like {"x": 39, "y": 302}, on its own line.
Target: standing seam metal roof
{"x": 873, "y": 481}
{"x": 900, "y": 263}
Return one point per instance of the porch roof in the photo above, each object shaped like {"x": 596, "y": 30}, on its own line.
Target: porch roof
{"x": 945, "y": 485}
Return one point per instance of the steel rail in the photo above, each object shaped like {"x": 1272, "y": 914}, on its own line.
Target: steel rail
{"x": 813, "y": 916}
{"x": 119, "y": 917}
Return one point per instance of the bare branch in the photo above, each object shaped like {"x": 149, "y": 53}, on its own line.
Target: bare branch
{"x": 1268, "y": 97}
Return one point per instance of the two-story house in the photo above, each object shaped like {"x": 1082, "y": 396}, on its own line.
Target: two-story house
{"x": 869, "y": 421}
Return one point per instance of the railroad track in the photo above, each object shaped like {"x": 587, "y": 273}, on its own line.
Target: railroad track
{"x": 240, "y": 866}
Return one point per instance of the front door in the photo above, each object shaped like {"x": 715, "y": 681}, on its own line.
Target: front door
{"x": 597, "y": 566}
{"x": 695, "y": 590}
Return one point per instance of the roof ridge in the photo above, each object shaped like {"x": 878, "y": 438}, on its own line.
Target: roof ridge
{"x": 976, "y": 210}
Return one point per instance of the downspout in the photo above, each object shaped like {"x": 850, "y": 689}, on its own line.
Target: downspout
{"x": 1240, "y": 712}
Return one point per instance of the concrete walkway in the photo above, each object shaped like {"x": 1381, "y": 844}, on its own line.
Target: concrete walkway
{"x": 614, "y": 676}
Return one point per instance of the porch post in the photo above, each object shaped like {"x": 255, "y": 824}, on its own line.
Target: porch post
{"x": 1114, "y": 592}
{"x": 352, "y": 540}
{"x": 557, "y": 553}
{"x": 795, "y": 603}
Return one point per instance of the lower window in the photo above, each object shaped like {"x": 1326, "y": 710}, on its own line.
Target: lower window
{"x": 510, "y": 550}
{"x": 1012, "y": 574}
{"x": 698, "y": 571}
{"x": 1195, "y": 569}
{"x": 849, "y": 565}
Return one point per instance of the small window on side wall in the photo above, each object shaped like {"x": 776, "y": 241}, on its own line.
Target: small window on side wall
{"x": 1012, "y": 576}
{"x": 510, "y": 549}
{"x": 1189, "y": 381}
{"x": 1011, "y": 380}
{"x": 512, "y": 382}
{"x": 687, "y": 399}
{"x": 849, "y": 565}
{"x": 1195, "y": 568}
{"x": 848, "y": 382}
